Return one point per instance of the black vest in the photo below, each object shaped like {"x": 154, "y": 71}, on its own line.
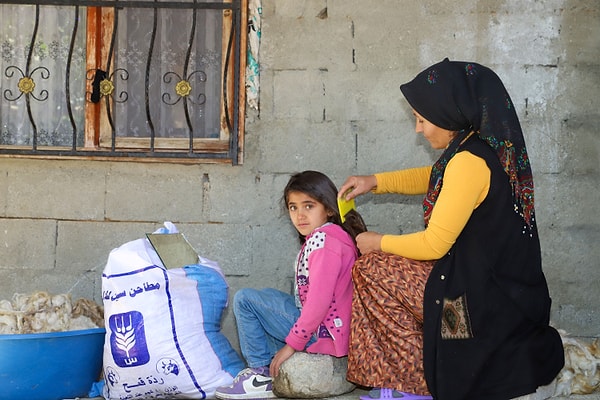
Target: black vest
{"x": 486, "y": 304}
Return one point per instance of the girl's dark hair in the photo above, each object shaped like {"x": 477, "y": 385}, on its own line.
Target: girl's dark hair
{"x": 318, "y": 186}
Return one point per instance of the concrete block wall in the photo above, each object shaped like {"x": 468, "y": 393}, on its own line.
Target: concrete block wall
{"x": 329, "y": 100}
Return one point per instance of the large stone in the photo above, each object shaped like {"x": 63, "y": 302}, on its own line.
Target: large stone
{"x": 305, "y": 376}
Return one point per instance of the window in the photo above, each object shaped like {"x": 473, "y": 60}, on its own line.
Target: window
{"x": 134, "y": 80}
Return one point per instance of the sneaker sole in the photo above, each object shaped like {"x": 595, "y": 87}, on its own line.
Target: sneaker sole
{"x": 245, "y": 396}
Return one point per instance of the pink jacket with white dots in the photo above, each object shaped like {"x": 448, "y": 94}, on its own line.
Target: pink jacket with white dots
{"x": 324, "y": 291}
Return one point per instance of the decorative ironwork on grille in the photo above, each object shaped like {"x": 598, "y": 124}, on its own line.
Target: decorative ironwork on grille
{"x": 107, "y": 87}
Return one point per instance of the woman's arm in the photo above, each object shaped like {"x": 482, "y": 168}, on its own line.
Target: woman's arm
{"x": 465, "y": 185}
{"x": 404, "y": 181}
{"x": 356, "y": 185}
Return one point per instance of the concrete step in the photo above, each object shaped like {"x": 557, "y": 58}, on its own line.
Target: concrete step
{"x": 359, "y": 392}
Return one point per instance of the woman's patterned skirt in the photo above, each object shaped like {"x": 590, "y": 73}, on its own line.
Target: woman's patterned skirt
{"x": 386, "y": 340}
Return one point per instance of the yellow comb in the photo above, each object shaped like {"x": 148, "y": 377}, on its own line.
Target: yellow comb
{"x": 345, "y": 206}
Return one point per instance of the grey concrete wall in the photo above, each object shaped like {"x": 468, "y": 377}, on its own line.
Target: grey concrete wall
{"x": 330, "y": 101}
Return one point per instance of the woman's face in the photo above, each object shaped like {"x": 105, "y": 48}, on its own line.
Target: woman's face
{"x": 437, "y": 137}
{"x": 306, "y": 213}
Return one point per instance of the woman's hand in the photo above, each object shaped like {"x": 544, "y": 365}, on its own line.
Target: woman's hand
{"x": 283, "y": 354}
{"x": 368, "y": 241}
{"x": 357, "y": 185}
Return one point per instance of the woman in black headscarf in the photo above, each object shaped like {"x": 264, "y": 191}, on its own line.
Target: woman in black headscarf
{"x": 460, "y": 309}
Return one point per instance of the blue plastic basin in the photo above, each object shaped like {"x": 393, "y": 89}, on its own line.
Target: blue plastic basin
{"x": 50, "y": 366}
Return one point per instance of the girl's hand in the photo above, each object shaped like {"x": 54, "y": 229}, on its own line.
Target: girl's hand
{"x": 357, "y": 185}
{"x": 283, "y": 354}
{"x": 368, "y": 241}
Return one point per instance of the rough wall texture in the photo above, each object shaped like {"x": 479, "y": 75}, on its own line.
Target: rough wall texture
{"x": 330, "y": 71}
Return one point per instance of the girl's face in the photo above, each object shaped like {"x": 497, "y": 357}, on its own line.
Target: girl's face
{"x": 306, "y": 213}
{"x": 437, "y": 137}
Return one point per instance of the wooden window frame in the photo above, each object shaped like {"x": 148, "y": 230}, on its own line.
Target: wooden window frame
{"x": 100, "y": 22}
{"x": 99, "y": 28}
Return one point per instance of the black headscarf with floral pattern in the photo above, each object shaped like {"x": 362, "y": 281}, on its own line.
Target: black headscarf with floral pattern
{"x": 469, "y": 97}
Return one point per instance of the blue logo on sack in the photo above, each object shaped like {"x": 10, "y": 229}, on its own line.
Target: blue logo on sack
{"x": 128, "y": 339}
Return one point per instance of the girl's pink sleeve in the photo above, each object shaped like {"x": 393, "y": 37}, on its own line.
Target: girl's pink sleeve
{"x": 325, "y": 264}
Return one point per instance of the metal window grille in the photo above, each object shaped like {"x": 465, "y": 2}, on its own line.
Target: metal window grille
{"x": 107, "y": 87}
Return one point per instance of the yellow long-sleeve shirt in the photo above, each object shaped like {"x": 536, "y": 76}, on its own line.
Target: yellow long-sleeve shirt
{"x": 466, "y": 184}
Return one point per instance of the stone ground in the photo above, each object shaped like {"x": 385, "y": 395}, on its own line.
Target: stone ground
{"x": 358, "y": 392}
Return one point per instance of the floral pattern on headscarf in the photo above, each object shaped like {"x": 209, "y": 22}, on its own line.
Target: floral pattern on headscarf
{"x": 469, "y": 97}
{"x": 437, "y": 173}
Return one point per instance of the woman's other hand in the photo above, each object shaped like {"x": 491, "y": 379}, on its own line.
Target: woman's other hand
{"x": 356, "y": 185}
{"x": 283, "y": 354}
{"x": 368, "y": 241}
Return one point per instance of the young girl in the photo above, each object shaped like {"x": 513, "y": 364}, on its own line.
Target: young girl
{"x": 273, "y": 325}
